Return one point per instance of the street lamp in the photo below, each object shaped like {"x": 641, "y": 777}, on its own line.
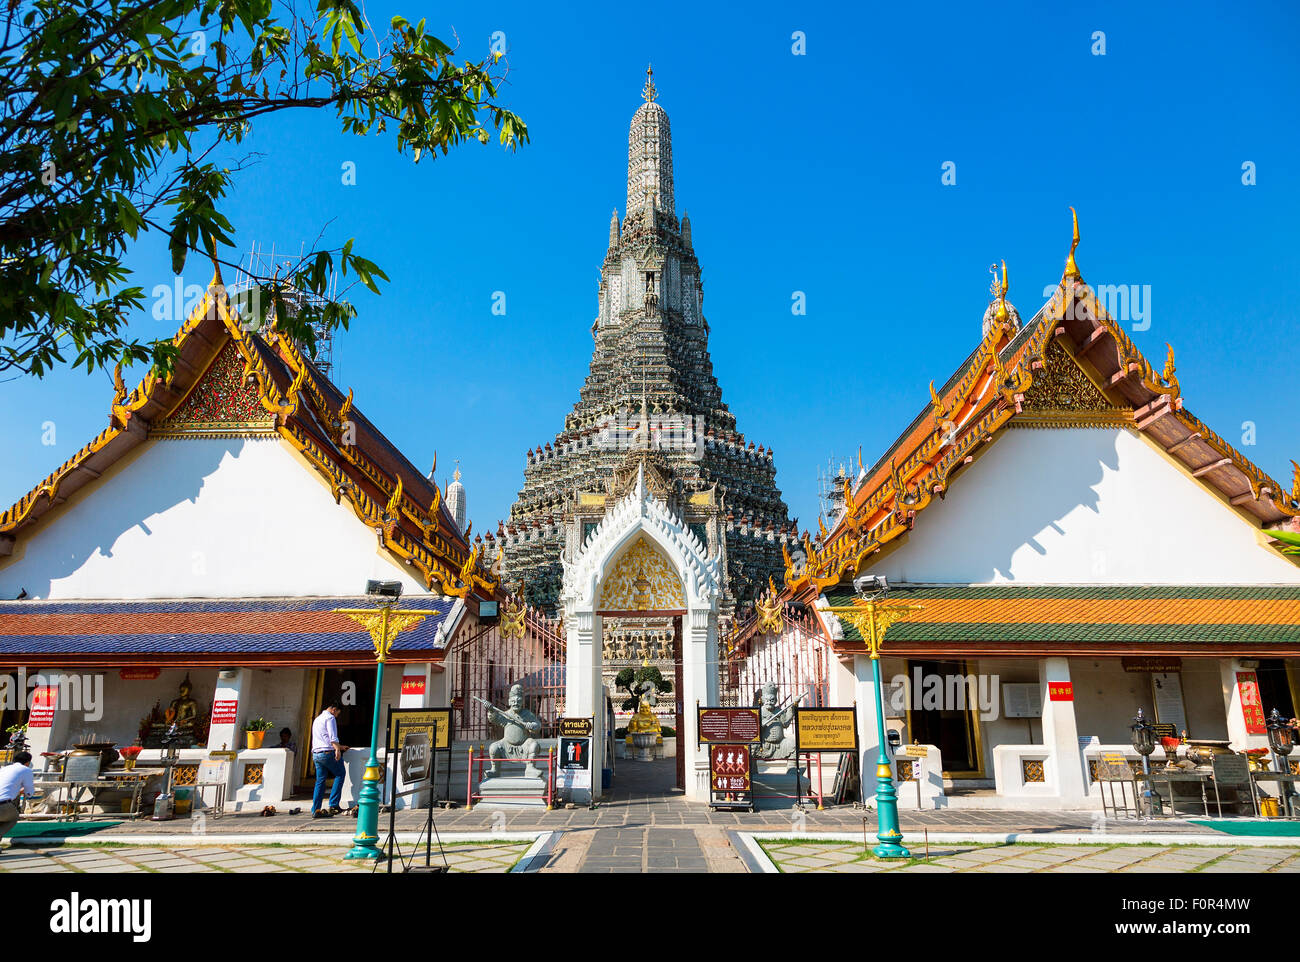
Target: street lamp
{"x": 1281, "y": 739}
{"x": 1144, "y": 740}
{"x": 872, "y": 619}
{"x": 384, "y": 624}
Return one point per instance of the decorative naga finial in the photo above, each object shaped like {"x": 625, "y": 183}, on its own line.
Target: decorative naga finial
{"x": 1002, "y": 287}
{"x": 1071, "y": 268}
{"x": 395, "y": 502}
{"x": 648, "y": 92}
{"x": 119, "y": 386}
{"x": 1169, "y": 364}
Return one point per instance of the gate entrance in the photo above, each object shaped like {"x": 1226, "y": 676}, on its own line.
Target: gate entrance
{"x": 636, "y": 650}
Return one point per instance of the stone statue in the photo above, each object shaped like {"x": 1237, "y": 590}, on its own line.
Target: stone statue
{"x": 518, "y": 741}
{"x": 184, "y": 710}
{"x": 773, "y": 722}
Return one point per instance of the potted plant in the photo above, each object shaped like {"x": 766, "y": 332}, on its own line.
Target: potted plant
{"x": 129, "y": 754}
{"x": 255, "y": 730}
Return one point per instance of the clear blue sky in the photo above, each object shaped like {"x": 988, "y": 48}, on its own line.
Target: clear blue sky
{"x": 816, "y": 173}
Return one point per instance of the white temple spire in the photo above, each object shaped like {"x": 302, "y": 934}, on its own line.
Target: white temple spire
{"x": 650, "y": 156}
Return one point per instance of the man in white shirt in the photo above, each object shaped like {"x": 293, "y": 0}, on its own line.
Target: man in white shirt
{"x": 327, "y": 754}
{"x": 15, "y": 781}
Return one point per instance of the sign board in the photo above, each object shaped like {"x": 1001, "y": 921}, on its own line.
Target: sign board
{"x": 1231, "y": 769}
{"x": 728, "y": 725}
{"x": 1251, "y": 707}
{"x": 576, "y": 727}
{"x": 81, "y": 768}
{"x": 138, "y": 674}
{"x": 44, "y": 698}
{"x": 729, "y": 776}
{"x": 415, "y": 756}
{"x": 1113, "y": 767}
{"x": 915, "y": 751}
{"x": 224, "y": 711}
{"x": 211, "y": 771}
{"x": 1167, "y": 692}
{"x": 412, "y": 685}
{"x": 573, "y": 759}
{"x": 1060, "y": 691}
{"x": 1022, "y": 700}
{"x": 436, "y": 722}
{"x": 825, "y": 730}
{"x": 1153, "y": 664}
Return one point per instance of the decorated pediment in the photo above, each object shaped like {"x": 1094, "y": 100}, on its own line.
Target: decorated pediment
{"x": 642, "y": 579}
{"x": 1062, "y": 386}
{"x": 222, "y": 404}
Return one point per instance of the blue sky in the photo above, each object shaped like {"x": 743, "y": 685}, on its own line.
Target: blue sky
{"x": 817, "y": 173}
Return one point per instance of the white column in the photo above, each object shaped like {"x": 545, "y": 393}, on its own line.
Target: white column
{"x": 1061, "y": 733}
{"x": 583, "y": 687}
{"x": 233, "y": 684}
{"x": 1238, "y": 736}
{"x": 864, "y": 694}
{"x": 700, "y": 685}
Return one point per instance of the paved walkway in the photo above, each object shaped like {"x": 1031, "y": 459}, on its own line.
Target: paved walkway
{"x": 72, "y": 857}
{"x": 851, "y": 858}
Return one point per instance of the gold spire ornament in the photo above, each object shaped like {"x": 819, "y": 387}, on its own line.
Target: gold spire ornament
{"x": 1001, "y": 289}
{"x": 1071, "y": 268}
{"x": 648, "y": 92}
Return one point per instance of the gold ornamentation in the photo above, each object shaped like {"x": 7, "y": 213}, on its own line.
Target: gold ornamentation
{"x": 119, "y": 386}
{"x": 1071, "y": 268}
{"x": 661, "y": 588}
{"x": 385, "y": 624}
{"x": 648, "y": 92}
{"x": 394, "y": 506}
{"x": 512, "y": 619}
{"x": 1063, "y": 386}
{"x": 1169, "y": 377}
{"x": 253, "y": 773}
{"x": 872, "y": 619}
{"x": 1031, "y": 770}
{"x": 770, "y": 610}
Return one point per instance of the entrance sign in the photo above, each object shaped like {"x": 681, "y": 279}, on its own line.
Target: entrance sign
{"x": 825, "y": 730}
{"x": 415, "y": 756}
{"x": 574, "y": 761}
{"x": 730, "y": 777}
{"x": 576, "y": 727}
{"x": 435, "y": 722}
{"x": 728, "y": 725}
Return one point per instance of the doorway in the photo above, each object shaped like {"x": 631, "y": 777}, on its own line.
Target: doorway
{"x": 942, "y": 712}
{"x": 354, "y": 689}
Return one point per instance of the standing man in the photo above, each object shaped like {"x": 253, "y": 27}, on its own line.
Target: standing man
{"x": 327, "y": 754}
{"x": 15, "y": 781}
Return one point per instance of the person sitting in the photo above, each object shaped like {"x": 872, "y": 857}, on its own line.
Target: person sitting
{"x": 286, "y": 741}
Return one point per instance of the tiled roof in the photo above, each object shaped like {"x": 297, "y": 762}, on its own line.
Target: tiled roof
{"x": 264, "y": 626}
{"x": 1143, "y": 613}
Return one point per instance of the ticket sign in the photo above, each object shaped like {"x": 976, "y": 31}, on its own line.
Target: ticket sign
{"x": 435, "y": 722}
{"x": 728, "y": 725}
{"x": 1251, "y": 706}
{"x": 825, "y": 730}
{"x": 729, "y": 768}
{"x": 415, "y": 756}
{"x": 1060, "y": 691}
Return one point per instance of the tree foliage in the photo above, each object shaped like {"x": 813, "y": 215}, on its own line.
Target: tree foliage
{"x": 120, "y": 117}
{"x": 1289, "y": 538}
{"x": 631, "y": 680}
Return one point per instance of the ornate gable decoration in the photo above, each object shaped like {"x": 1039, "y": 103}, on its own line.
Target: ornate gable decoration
{"x": 222, "y": 404}
{"x": 640, "y": 511}
{"x": 642, "y": 580}
{"x": 1062, "y": 394}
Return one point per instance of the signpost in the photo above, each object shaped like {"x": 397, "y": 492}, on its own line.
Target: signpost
{"x": 419, "y": 738}
{"x": 573, "y": 760}
{"x": 729, "y": 733}
{"x": 435, "y": 722}
{"x": 818, "y": 730}
{"x": 728, "y": 726}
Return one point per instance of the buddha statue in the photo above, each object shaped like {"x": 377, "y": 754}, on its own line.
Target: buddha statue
{"x": 183, "y": 710}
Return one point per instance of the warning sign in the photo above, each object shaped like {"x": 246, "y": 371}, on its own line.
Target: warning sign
{"x": 729, "y": 769}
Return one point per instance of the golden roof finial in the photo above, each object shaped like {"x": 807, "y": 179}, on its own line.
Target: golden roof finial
{"x": 1002, "y": 287}
{"x": 1072, "y": 269}
{"x": 648, "y": 92}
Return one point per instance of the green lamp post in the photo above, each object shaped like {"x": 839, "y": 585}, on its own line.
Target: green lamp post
{"x": 872, "y": 619}
{"x": 384, "y": 624}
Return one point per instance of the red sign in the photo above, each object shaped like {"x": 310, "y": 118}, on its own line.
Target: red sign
{"x": 1060, "y": 691}
{"x": 1251, "y": 707}
{"x": 138, "y": 674}
{"x": 728, "y": 725}
{"x": 42, "y": 711}
{"x": 223, "y": 712}
{"x": 729, "y": 767}
{"x": 412, "y": 684}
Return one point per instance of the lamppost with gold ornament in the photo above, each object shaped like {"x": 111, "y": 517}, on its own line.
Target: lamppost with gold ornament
{"x": 872, "y": 619}
{"x": 384, "y": 624}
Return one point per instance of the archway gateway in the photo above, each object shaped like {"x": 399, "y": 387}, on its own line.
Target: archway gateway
{"x": 643, "y": 561}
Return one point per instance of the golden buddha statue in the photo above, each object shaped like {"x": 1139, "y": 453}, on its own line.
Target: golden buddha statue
{"x": 183, "y": 710}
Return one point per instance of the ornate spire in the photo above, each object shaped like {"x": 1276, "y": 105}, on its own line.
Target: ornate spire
{"x": 648, "y": 92}
{"x": 650, "y": 157}
{"x": 613, "y": 229}
{"x": 1072, "y": 269}
{"x": 686, "y": 231}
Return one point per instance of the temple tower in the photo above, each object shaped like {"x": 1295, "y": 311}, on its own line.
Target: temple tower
{"x": 650, "y": 399}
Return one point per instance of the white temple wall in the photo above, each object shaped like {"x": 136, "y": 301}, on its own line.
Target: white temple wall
{"x": 202, "y": 518}
{"x": 1081, "y": 506}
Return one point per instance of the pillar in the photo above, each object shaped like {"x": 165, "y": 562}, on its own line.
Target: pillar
{"x": 1238, "y": 736}
{"x": 584, "y": 690}
{"x": 1061, "y": 733}
{"x": 700, "y": 684}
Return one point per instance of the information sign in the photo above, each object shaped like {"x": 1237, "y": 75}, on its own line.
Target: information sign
{"x": 736, "y": 725}
{"x": 825, "y": 730}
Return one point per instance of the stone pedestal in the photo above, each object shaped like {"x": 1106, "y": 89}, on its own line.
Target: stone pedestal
{"x": 509, "y": 791}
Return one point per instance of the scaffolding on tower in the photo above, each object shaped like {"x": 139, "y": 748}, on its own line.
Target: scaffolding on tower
{"x": 259, "y": 265}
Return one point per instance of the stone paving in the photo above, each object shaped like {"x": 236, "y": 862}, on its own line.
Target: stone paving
{"x": 74, "y": 857}
{"x": 850, "y": 857}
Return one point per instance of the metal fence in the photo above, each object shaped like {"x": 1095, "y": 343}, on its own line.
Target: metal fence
{"x": 797, "y": 660}
{"x": 485, "y": 664}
